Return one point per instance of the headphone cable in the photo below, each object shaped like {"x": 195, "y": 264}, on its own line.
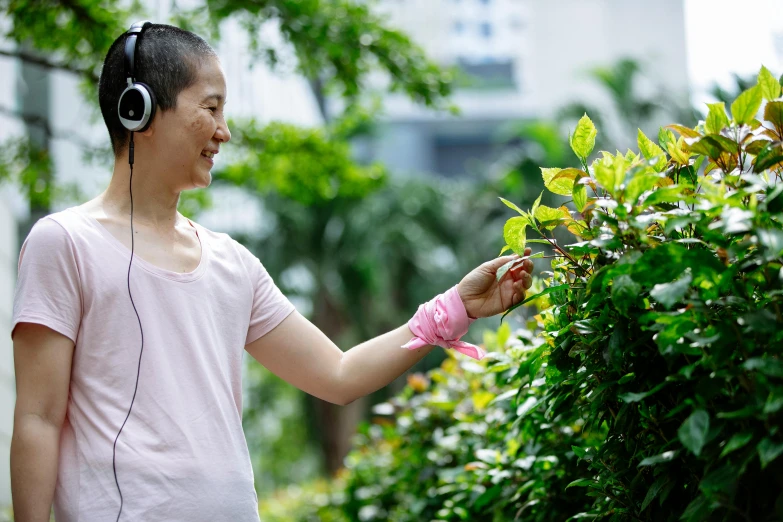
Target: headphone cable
{"x": 114, "y": 465}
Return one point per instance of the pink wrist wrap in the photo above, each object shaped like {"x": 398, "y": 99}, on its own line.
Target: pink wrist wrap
{"x": 441, "y": 322}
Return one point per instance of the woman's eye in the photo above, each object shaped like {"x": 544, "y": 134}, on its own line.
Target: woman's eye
{"x": 213, "y": 109}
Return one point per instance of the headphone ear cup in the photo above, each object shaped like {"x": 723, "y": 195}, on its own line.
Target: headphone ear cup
{"x": 153, "y": 105}
{"x": 136, "y": 107}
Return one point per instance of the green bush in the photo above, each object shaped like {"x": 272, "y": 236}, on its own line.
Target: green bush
{"x": 650, "y": 384}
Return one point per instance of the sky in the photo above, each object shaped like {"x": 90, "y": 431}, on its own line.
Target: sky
{"x": 725, "y": 36}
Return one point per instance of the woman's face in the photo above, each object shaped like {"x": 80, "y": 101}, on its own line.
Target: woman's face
{"x": 187, "y": 136}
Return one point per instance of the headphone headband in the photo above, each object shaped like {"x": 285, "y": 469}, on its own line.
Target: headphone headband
{"x": 134, "y": 33}
{"x": 136, "y": 105}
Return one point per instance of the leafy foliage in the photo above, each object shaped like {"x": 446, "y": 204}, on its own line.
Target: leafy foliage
{"x": 650, "y": 385}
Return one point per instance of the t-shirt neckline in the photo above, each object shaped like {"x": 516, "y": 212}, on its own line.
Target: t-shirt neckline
{"x": 149, "y": 267}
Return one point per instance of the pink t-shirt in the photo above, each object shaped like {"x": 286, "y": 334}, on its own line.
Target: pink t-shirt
{"x": 182, "y": 454}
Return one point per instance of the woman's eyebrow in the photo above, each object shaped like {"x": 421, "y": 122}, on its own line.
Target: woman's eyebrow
{"x": 216, "y": 96}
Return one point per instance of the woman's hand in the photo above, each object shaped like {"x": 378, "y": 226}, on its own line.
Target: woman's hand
{"x": 484, "y": 296}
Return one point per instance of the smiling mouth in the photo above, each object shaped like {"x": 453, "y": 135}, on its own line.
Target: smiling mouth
{"x": 208, "y": 154}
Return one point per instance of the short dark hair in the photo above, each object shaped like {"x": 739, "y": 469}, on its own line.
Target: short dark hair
{"x": 167, "y": 59}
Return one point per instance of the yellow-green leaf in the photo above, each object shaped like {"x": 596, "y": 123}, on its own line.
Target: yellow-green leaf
{"x": 677, "y": 151}
{"x": 580, "y": 196}
{"x": 563, "y": 182}
{"x": 639, "y": 184}
{"x": 610, "y": 172}
{"x": 650, "y": 150}
{"x": 545, "y": 214}
{"x": 481, "y": 398}
{"x": 746, "y": 105}
{"x": 583, "y": 138}
{"x": 717, "y": 119}
{"x": 514, "y": 234}
{"x": 773, "y": 113}
{"x": 511, "y": 206}
{"x": 535, "y": 207}
{"x": 684, "y": 131}
{"x": 548, "y": 174}
{"x": 770, "y": 87}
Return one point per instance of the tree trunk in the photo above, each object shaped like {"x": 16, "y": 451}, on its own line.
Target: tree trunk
{"x": 333, "y": 425}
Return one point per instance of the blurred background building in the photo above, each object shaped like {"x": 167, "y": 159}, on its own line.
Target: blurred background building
{"x": 519, "y": 59}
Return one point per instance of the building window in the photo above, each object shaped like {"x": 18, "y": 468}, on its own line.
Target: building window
{"x": 486, "y": 30}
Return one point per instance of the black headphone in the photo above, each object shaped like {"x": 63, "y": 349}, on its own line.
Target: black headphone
{"x": 137, "y": 102}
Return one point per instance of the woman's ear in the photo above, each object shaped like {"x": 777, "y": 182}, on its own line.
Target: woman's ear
{"x": 151, "y": 129}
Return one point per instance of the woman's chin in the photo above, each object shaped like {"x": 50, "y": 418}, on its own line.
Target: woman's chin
{"x": 202, "y": 180}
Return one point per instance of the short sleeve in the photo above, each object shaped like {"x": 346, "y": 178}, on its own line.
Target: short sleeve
{"x": 48, "y": 288}
{"x": 270, "y": 305}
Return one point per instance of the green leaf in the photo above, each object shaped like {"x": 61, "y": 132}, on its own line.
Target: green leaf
{"x": 736, "y": 442}
{"x": 746, "y": 105}
{"x": 580, "y": 196}
{"x": 625, "y": 291}
{"x": 696, "y": 511}
{"x": 768, "y": 451}
{"x": 636, "y": 397}
{"x": 583, "y": 138}
{"x": 500, "y": 272}
{"x": 650, "y": 150}
{"x": 770, "y": 87}
{"x": 487, "y": 497}
{"x": 693, "y": 432}
{"x": 774, "y": 403}
{"x": 723, "y": 479}
{"x": 654, "y": 490}
{"x": 770, "y": 155}
{"x": 581, "y": 483}
{"x": 770, "y": 367}
{"x": 549, "y": 290}
{"x": 628, "y": 377}
{"x": 717, "y": 119}
{"x": 666, "y": 456}
{"x": 514, "y": 233}
{"x": 666, "y": 138}
{"x": 512, "y": 206}
{"x": 773, "y": 113}
{"x": 669, "y": 294}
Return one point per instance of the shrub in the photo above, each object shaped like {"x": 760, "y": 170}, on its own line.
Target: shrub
{"x": 650, "y": 385}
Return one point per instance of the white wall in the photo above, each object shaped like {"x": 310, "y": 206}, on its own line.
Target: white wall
{"x": 569, "y": 37}
{"x": 552, "y": 44}
{"x": 8, "y": 259}
{"x": 10, "y": 201}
